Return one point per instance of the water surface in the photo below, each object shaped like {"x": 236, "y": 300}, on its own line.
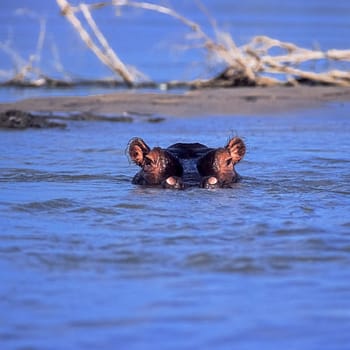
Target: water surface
{"x": 89, "y": 260}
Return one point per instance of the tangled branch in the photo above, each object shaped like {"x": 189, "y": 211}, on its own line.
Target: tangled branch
{"x": 252, "y": 64}
{"x": 27, "y": 71}
{"x": 100, "y": 48}
{"x": 25, "y": 67}
{"x": 263, "y": 61}
{"x": 258, "y": 55}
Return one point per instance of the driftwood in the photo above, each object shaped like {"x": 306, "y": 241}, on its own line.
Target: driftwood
{"x": 25, "y": 67}
{"x": 253, "y": 64}
{"x": 250, "y": 65}
{"x": 100, "y": 48}
{"x": 27, "y": 71}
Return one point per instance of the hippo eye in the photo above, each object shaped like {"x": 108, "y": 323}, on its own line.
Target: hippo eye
{"x": 149, "y": 161}
{"x": 228, "y": 161}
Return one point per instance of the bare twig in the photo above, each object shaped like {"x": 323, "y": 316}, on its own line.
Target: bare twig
{"x": 247, "y": 64}
{"x": 27, "y": 71}
{"x": 258, "y": 52}
{"x": 230, "y": 56}
{"x": 105, "y": 54}
{"x": 262, "y": 61}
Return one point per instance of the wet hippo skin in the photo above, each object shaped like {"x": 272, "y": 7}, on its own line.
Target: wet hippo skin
{"x": 186, "y": 164}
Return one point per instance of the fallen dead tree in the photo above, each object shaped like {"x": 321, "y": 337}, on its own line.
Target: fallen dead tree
{"x": 253, "y": 64}
{"x": 263, "y": 61}
{"x": 27, "y": 71}
{"x": 25, "y": 68}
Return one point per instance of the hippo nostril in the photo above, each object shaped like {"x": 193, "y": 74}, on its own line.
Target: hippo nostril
{"x": 212, "y": 180}
{"x": 171, "y": 181}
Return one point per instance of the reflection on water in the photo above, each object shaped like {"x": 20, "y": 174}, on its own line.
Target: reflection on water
{"x": 89, "y": 260}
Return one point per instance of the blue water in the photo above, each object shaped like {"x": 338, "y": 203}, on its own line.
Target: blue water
{"x": 88, "y": 260}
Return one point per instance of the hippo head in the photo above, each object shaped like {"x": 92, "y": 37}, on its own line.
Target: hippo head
{"x": 186, "y": 164}
{"x": 217, "y": 166}
{"x": 157, "y": 164}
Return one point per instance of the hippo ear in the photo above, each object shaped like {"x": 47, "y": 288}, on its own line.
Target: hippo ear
{"x": 137, "y": 149}
{"x": 236, "y": 148}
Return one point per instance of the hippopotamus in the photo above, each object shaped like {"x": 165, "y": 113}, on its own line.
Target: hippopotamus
{"x": 183, "y": 165}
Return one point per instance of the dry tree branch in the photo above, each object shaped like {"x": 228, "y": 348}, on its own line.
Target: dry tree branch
{"x": 252, "y": 64}
{"x": 27, "y": 68}
{"x": 57, "y": 63}
{"x": 106, "y": 54}
{"x": 294, "y": 54}
{"x": 258, "y": 50}
{"x": 246, "y": 64}
{"x": 31, "y": 65}
{"x": 27, "y": 71}
{"x": 253, "y": 59}
{"x": 16, "y": 58}
{"x": 231, "y": 57}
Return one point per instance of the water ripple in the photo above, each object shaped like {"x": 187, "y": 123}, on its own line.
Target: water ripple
{"x": 48, "y": 205}
{"x": 222, "y": 263}
{"x": 32, "y": 175}
{"x": 74, "y": 236}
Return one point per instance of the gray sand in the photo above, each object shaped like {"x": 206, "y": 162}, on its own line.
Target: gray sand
{"x": 234, "y": 101}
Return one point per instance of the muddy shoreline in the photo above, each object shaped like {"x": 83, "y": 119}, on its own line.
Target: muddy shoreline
{"x": 235, "y": 101}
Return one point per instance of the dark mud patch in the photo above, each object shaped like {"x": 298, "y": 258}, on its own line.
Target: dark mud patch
{"x": 15, "y": 119}
{"x": 20, "y": 120}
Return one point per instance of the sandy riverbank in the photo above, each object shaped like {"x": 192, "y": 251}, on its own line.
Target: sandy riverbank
{"x": 237, "y": 101}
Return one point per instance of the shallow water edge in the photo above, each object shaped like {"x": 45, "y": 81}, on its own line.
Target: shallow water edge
{"x": 235, "y": 101}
